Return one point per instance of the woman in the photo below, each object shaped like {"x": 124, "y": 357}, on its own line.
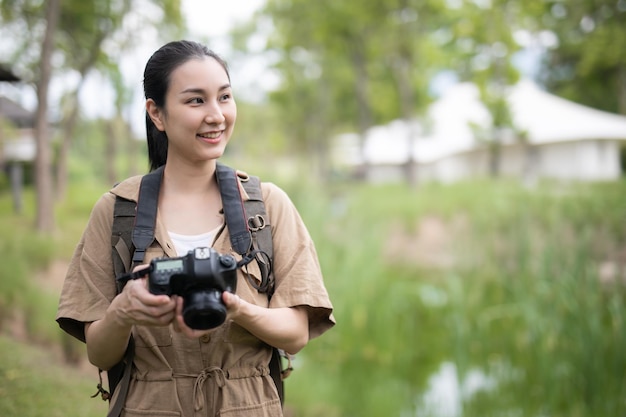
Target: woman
{"x": 190, "y": 116}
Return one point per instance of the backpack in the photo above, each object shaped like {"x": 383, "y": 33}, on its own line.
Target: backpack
{"x": 250, "y": 234}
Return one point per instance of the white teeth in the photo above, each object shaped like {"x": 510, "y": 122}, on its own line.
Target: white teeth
{"x": 211, "y": 135}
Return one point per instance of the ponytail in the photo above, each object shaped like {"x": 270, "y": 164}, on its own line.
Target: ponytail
{"x": 157, "y": 144}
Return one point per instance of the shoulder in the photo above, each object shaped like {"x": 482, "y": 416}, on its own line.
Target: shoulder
{"x": 273, "y": 192}
{"x": 282, "y": 212}
{"x": 274, "y": 197}
{"x": 102, "y": 213}
{"x": 129, "y": 188}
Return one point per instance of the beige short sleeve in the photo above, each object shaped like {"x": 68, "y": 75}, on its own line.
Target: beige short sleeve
{"x": 299, "y": 280}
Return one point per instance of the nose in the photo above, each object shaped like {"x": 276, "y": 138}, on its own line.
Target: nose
{"x": 214, "y": 114}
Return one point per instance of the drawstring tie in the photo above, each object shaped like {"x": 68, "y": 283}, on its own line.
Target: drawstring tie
{"x": 198, "y": 389}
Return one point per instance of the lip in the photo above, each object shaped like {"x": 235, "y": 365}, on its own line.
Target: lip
{"x": 211, "y": 137}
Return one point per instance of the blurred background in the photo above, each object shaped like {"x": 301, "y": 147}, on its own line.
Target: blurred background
{"x": 459, "y": 163}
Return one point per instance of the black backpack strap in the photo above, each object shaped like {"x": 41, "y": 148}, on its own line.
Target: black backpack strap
{"x": 234, "y": 212}
{"x": 250, "y": 234}
{"x": 260, "y": 230}
{"x": 132, "y": 233}
{"x": 121, "y": 373}
{"x": 121, "y": 235}
{"x": 145, "y": 221}
{"x": 248, "y": 225}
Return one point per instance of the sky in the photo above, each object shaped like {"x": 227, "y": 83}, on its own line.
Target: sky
{"x": 199, "y": 14}
{"x": 208, "y": 21}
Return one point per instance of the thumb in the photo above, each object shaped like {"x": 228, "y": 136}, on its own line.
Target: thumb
{"x": 231, "y": 300}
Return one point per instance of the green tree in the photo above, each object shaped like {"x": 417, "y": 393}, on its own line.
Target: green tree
{"x": 347, "y": 65}
{"x": 323, "y": 63}
{"x": 79, "y": 45}
{"x": 409, "y": 41}
{"x": 93, "y": 38}
{"x": 45, "y": 218}
{"x": 588, "y": 65}
{"x": 485, "y": 48}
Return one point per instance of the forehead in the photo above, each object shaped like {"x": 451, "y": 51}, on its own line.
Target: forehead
{"x": 198, "y": 73}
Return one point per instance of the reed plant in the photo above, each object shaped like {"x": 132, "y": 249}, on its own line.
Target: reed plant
{"x": 527, "y": 311}
{"x": 526, "y": 314}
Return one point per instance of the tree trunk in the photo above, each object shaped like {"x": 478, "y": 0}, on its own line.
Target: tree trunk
{"x": 495, "y": 148}
{"x": 66, "y": 141}
{"x": 69, "y": 125}
{"x": 16, "y": 173}
{"x": 45, "y": 203}
{"x": 133, "y": 152}
{"x": 111, "y": 150}
{"x": 402, "y": 74}
{"x": 2, "y": 161}
{"x": 621, "y": 88}
{"x": 362, "y": 99}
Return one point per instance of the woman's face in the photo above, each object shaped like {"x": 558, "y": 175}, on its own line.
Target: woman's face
{"x": 200, "y": 111}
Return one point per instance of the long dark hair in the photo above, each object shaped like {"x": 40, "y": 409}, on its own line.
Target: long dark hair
{"x": 156, "y": 81}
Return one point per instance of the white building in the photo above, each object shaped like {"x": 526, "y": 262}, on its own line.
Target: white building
{"x": 565, "y": 140}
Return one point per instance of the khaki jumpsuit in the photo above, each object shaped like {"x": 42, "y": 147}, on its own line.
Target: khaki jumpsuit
{"x": 224, "y": 373}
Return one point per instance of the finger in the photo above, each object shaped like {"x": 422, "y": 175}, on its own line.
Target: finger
{"x": 138, "y": 306}
{"x": 231, "y": 301}
{"x": 141, "y": 267}
{"x": 139, "y": 291}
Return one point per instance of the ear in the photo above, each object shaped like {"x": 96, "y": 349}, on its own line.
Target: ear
{"x": 155, "y": 113}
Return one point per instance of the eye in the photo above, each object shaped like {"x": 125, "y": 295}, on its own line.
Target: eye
{"x": 195, "y": 100}
{"x": 225, "y": 97}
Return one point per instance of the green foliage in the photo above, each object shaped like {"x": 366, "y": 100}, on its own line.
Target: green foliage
{"x": 589, "y": 63}
{"x": 529, "y": 302}
{"x": 349, "y": 65}
{"x": 25, "y": 252}
{"x": 535, "y": 313}
{"x": 34, "y": 384}
{"x": 524, "y": 304}
{"x": 29, "y": 253}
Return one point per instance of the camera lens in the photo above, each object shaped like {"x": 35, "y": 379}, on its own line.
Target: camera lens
{"x": 204, "y": 309}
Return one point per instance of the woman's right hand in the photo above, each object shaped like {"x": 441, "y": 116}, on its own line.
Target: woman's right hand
{"x": 108, "y": 337}
{"x": 135, "y": 305}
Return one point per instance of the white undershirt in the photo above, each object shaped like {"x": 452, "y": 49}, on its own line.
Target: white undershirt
{"x": 185, "y": 243}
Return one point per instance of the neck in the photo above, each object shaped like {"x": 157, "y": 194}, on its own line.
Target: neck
{"x": 189, "y": 178}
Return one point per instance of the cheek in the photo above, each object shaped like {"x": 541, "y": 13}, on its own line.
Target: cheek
{"x": 231, "y": 112}
{"x": 187, "y": 120}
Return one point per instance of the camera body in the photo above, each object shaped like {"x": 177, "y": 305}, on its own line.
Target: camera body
{"x": 200, "y": 277}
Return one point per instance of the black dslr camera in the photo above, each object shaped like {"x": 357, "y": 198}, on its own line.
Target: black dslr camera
{"x": 200, "y": 277}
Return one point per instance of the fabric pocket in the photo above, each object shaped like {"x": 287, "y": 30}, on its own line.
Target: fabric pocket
{"x": 152, "y": 337}
{"x": 268, "y": 409}
{"x": 127, "y": 412}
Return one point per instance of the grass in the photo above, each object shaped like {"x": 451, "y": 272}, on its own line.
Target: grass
{"x": 524, "y": 304}
{"x": 527, "y": 302}
{"x": 34, "y": 383}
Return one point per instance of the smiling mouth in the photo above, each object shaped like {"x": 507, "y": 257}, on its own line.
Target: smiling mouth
{"x": 211, "y": 135}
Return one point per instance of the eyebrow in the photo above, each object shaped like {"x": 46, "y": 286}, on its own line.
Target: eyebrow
{"x": 194, "y": 90}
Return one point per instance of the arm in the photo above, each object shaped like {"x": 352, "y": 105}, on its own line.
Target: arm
{"x": 108, "y": 337}
{"x": 284, "y": 328}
